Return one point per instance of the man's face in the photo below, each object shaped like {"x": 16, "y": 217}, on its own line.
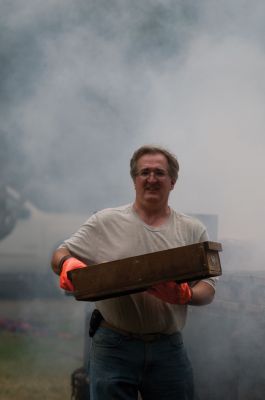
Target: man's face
{"x": 152, "y": 183}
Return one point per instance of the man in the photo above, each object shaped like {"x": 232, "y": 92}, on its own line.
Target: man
{"x": 138, "y": 346}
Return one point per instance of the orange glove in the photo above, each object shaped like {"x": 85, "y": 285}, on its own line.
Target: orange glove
{"x": 172, "y": 292}
{"x": 69, "y": 264}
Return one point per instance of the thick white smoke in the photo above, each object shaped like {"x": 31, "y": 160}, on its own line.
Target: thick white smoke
{"x": 88, "y": 82}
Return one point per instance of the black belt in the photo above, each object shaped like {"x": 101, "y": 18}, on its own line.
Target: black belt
{"x": 145, "y": 337}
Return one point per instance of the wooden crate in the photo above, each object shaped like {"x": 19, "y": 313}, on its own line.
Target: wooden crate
{"x": 135, "y": 274}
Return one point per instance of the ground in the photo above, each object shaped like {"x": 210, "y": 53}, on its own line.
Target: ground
{"x": 41, "y": 343}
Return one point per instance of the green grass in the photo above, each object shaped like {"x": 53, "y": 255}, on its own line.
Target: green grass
{"x": 37, "y": 364}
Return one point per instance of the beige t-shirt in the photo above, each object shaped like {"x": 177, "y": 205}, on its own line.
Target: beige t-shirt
{"x": 117, "y": 233}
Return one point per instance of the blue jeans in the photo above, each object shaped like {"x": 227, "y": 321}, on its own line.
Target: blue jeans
{"x": 121, "y": 366}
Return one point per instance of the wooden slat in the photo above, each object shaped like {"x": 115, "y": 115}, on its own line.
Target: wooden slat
{"x": 135, "y": 274}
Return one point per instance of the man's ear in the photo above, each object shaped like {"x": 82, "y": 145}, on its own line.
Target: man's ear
{"x": 172, "y": 184}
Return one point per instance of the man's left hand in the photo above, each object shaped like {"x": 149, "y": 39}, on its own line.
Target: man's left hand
{"x": 172, "y": 292}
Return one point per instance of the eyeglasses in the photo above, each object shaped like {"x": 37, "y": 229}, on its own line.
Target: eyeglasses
{"x": 157, "y": 173}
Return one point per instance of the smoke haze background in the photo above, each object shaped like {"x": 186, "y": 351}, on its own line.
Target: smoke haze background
{"x": 84, "y": 83}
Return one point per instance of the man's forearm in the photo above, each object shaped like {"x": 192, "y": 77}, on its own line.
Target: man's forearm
{"x": 203, "y": 293}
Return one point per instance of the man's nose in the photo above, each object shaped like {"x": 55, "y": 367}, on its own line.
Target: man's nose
{"x": 152, "y": 177}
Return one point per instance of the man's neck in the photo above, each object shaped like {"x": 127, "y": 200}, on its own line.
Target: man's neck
{"x": 152, "y": 216}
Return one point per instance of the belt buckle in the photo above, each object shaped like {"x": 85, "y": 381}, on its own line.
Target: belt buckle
{"x": 146, "y": 337}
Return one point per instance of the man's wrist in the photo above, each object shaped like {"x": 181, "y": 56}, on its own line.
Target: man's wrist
{"x": 191, "y": 297}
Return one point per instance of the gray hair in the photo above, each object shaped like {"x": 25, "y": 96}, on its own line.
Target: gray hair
{"x": 173, "y": 165}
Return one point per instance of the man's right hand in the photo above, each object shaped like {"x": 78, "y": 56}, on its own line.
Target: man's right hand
{"x": 69, "y": 264}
